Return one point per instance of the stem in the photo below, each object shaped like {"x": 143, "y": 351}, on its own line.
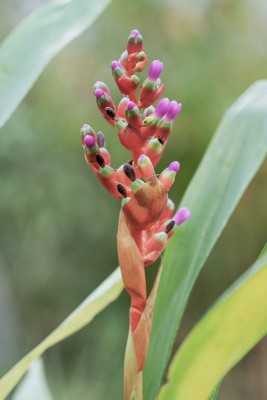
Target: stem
{"x": 133, "y": 379}
{"x": 136, "y": 348}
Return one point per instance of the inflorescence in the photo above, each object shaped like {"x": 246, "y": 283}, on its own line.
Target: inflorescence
{"x": 144, "y": 131}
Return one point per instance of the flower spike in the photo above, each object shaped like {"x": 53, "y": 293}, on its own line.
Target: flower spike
{"x": 147, "y": 218}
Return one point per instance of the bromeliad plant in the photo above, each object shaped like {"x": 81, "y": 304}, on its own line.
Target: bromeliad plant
{"x": 147, "y": 220}
{"x": 218, "y": 340}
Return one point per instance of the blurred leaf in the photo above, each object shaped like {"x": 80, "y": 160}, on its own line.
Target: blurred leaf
{"x": 107, "y": 292}
{"x": 230, "y": 329}
{"x": 30, "y": 46}
{"x": 215, "y": 392}
{"x": 232, "y": 159}
{"x": 34, "y": 385}
{"x": 264, "y": 251}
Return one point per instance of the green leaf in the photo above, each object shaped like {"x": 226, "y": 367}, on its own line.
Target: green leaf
{"x": 34, "y": 385}
{"x": 29, "y": 47}
{"x": 107, "y": 292}
{"x": 230, "y": 329}
{"x": 215, "y": 392}
{"x": 232, "y": 159}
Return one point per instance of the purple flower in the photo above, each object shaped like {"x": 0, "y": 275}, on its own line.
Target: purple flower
{"x": 130, "y": 105}
{"x": 135, "y": 33}
{"x": 115, "y": 64}
{"x": 174, "y": 110}
{"x": 89, "y": 141}
{"x": 174, "y": 166}
{"x": 99, "y": 93}
{"x": 155, "y": 69}
{"x": 162, "y": 107}
{"x": 181, "y": 216}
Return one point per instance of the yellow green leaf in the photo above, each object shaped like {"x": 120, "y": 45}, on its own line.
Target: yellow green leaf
{"x": 106, "y": 293}
{"x": 237, "y": 321}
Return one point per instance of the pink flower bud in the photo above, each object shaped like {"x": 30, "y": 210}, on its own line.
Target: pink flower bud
{"x": 155, "y": 69}
{"x": 99, "y": 93}
{"x": 130, "y": 105}
{"x": 174, "y": 166}
{"x": 135, "y": 33}
{"x": 115, "y": 64}
{"x": 87, "y": 130}
{"x": 103, "y": 86}
{"x": 174, "y": 110}
{"x": 163, "y": 107}
{"x": 89, "y": 141}
{"x": 135, "y": 42}
{"x": 182, "y": 215}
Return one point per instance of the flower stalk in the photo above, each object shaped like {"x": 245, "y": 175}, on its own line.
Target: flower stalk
{"x": 147, "y": 218}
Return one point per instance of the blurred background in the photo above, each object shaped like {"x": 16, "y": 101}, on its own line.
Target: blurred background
{"x": 58, "y": 225}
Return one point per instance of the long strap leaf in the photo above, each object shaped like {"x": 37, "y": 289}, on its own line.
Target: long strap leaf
{"x": 230, "y": 329}
{"x": 28, "y": 49}
{"x": 106, "y": 293}
{"x": 34, "y": 385}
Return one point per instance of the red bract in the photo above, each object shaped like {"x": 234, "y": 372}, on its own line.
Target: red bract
{"x": 147, "y": 219}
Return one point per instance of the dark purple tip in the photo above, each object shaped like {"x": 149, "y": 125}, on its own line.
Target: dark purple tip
{"x": 110, "y": 112}
{"x": 101, "y": 139}
{"x": 115, "y": 64}
{"x": 169, "y": 226}
{"x": 130, "y": 105}
{"x": 135, "y": 33}
{"x": 174, "y": 110}
{"x": 162, "y": 107}
{"x": 121, "y": 189}
{"x": 99, "y": 93}
{"x": 89, "y": 141}
{"x": 181, "y": 216}
{"x": 174, "y": 166}
{"x": 129, "y": 172}
{"x": 155, "y": 69}
{"x": 100, "y": 160}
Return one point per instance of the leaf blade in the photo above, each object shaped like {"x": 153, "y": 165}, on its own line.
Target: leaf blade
{"x": 228, "y": 166}
{"x": 218, "y": 339}
{"x": 100, "y": 298}
{"x": 35, "y": 41}
{"x": 34, "y": 385}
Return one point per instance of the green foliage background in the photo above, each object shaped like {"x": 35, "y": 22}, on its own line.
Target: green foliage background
{"x": 58, "y": 226}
